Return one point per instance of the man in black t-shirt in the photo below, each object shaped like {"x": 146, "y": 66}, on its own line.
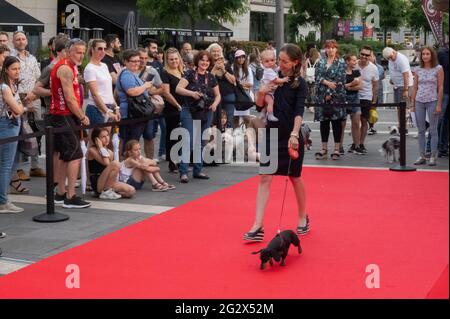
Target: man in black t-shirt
{"x": 113, "y": 46}
{"x": 152, "y": 48}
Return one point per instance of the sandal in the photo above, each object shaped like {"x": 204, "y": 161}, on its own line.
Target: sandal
{"x": 335, "y": 155}
{"x": 323, "y": 154}
{"x": 158, "y": 187}
{"x": 18, "y": 189}
{"x": 168, "y": 186}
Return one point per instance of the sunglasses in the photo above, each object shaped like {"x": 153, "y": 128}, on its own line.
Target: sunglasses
{"x": 134, "y": 61}
{"x": 364, "y": 55}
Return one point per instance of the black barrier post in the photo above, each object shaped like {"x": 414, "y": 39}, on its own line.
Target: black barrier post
{"x": 402, "y": 167}
{"x": 50, "y": 216}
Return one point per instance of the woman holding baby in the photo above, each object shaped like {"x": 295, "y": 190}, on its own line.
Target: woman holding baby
{"x": 289, "y": 101}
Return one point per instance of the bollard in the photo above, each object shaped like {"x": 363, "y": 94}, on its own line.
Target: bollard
{"x": 50, "y": 216}
{"x": 402, "y": 167}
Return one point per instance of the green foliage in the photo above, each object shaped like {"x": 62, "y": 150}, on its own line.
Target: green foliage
{"x": 175, "y": 12}
{"x": 43, "y": 53}
{"x": 415, "y": 17}
{"x": 392, "y": 13}
{"x": 318, "y": 13}
{"x": 346, "y": 48}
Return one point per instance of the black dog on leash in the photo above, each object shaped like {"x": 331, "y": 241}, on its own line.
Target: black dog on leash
{"x": 278, "y": 248}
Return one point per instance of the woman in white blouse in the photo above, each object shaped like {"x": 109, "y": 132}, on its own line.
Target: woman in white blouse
{"x": 101, "y": 104}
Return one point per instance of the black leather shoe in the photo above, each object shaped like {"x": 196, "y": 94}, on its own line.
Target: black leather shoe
{"x": 201, "y": 176}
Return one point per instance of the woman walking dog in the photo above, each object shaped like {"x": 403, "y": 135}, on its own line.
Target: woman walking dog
{"x": 289, "y": 101}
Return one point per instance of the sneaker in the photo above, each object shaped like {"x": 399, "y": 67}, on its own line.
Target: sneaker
{"x": 10, "y": 208}
{"x": 420, "y": 161}
{"x": 22, "y": 175}
{"x": 271, "y": 117}
{"x": 371, "y": 131}
{"x": 359, "y": 151}
{"x": 2, "y": 234}
{"x": 37, "y": 172}
{"x": 443, "y": 154}
{"x": 351, "y": 149}
{"x": 304, "y": 230}
{"x": 432, "y": 161}
{"x": 362, "y": 148}
{"x": 109, "y": 194}
{"x": 257, "y": 235}
{"x": 427, "y": 155}
{"x": 75, "y": 202}
{"x": 59, "y": 199}
{"x": 341, "y": 150}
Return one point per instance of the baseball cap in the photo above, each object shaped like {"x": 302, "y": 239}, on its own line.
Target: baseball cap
{"x": 239, "y": 53}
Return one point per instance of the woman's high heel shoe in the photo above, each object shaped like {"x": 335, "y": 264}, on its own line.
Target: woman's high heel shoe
{"x": 257, "y": 235}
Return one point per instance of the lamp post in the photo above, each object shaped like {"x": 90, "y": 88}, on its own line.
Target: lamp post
{"x": 279, "y": 24}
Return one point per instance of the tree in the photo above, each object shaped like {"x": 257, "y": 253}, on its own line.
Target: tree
{"x": 416, "y": 19}
{"x": 174, "y": 11}
{"x": 392, "y": 15}
{"x": 319, "y": 13}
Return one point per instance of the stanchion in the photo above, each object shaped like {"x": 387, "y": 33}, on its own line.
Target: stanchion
{"x": 50, "y": 216}
{"x": 402, "y": 167}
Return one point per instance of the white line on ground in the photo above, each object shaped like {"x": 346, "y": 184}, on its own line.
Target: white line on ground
{"x": 106, "y": 205}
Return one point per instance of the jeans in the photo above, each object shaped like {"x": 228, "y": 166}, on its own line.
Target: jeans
{"x": 228, "y": 102}
{"x": 188, "y": 123}
{"x": 7, "y": 155}
{"x": 162, "y": 139}
{"x": 421, "y": 110}
{"x": 442, "y": 128}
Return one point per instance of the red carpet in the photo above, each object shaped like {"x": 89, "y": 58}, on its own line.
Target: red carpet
{"x": 398, "y": 221}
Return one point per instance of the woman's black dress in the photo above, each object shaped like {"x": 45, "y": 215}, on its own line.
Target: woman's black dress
{"x": 288, "y": 103}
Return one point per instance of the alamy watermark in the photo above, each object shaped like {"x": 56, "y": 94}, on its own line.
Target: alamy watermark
{"x": 73, "y": 279}
{"x": 373, "y": 19}
{"x": 214, "y": 146}
{"x": 373, "y": 279}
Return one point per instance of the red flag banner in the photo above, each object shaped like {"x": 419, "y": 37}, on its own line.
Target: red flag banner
{"x": 434, "y": 18}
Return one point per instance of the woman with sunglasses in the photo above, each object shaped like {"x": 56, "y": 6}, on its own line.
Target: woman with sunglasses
{"x": 101, "y": 105}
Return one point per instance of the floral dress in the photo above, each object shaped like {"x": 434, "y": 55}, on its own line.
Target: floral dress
{"x": 334, "y": 73}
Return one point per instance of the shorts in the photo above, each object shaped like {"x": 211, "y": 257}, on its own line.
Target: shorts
{"x": 353, "y": 99}
{"x": 67, "y": 144}
{"x": 136, "y": 185}
{"x": 151, "y": 127}
{"x": 366, "y": 105}
{"x": 95, "y": 115}
{"x": 132, "y": 131}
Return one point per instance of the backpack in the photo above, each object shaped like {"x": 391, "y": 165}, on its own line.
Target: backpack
{"x": 259, "y": 72}
{"x": 310, "y": 75}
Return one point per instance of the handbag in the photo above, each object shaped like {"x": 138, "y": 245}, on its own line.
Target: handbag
{"x": 139, "y": 106}
{"x": 373, "y": 116}
{"x": 243, "y": 100}
{"x": 28, "y": 146}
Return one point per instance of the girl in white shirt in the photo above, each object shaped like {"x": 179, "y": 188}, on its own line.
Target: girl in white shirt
{"x": 135, "y": 168}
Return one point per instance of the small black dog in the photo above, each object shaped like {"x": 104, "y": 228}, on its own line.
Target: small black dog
{"x": 278, "y": 248}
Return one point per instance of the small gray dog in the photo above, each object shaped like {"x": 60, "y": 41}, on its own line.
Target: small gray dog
{"x": 389, "y": 147}
{"x": 306, "y": 133}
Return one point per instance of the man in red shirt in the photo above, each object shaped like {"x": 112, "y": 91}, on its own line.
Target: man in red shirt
{"x": 66, "y": 111}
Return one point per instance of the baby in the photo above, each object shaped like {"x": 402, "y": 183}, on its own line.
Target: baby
{"x": 270, "y": 76}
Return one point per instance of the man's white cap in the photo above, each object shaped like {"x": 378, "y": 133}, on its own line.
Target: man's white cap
{"x": 387, "y": 52}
